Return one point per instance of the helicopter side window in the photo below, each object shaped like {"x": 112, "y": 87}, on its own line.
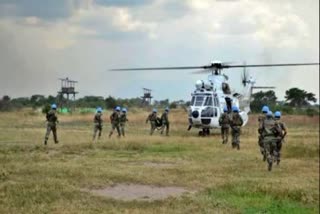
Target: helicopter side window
{"x": 226, "y": 88}
{"x": 208, "y": 101}
{"x": 199, "y": 100}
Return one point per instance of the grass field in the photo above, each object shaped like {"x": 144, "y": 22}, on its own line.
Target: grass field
{"x": 52, "y": 179}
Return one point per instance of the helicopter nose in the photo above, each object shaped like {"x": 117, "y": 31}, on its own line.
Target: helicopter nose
{"x": 195, "y": 114}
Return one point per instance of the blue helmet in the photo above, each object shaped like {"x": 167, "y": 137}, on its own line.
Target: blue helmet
{"x": 265, "y": 109}
{"x": 53, "y": 106}
{"x": 124, "y": 110}
{"x": 235, "y": 109}
{"x": 277, "y": 114}
{"x": 225, "y": 109}
{"x": 99, "y": 109}
{"x": 269, "y": 114}
{"x": 155, "y": 110}
{"x": 167, "y": 109}
{"x": 117, "y": 108}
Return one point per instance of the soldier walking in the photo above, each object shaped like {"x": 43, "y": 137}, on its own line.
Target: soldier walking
{"x": 97, "y": 120}
{"x": 52, "y": 121}
{"x": 261, "y": 118}
{"x": 152, "y": 118}
{"x": 224, "y": 122}
{"x": 270, "y": 131}
{"x": 281, "y": 136}
{"x": 123, "y": 121}
{"x": 165, "y": 121}
{"x": 115, "y": 121}
{"x": 235, "y": 124}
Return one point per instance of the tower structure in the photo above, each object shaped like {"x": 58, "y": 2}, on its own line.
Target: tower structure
{"x": 146, "y": 98}
{"x": 67, "y": 93}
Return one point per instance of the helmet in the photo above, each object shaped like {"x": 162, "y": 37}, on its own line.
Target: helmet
{"x": 155, "y": 110}
{"x": 235, "y": 109}
{"x": 118, "y": 108}
{"x": 265, "y": 109}
{"x": 269, "y": 114}
{"x": 167, "y": 109}
{"x": 53, "y": 106}
{"x": 225, "y": 109}
{"x": 124, "y": 110}
{"x": 277, "y": 114}
{"x": 99, "y": 109}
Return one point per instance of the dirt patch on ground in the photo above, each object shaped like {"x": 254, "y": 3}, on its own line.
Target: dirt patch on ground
{"x": 128, "y": 192}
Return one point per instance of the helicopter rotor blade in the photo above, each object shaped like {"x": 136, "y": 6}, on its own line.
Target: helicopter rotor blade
{"x": 160, "y": 68}
{"x": 268, "y": 65}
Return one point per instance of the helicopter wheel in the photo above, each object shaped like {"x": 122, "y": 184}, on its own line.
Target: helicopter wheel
{"x": 201, "y": 133}
{"x": 206, "y": 132}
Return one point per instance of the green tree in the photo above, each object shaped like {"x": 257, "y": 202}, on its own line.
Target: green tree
{"x": 297, "y": 97}
{"x": 261, "y": 98}
{"x": 110, "y": 102}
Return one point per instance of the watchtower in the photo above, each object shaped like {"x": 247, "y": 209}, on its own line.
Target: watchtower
{"x": 67, "y": 92}
{"x": 146, "y": 98}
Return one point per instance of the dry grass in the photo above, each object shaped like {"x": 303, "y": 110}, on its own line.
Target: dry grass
{"x": 38, "y": 179}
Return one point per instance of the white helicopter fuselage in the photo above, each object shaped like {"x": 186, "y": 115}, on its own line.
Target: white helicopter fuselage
{"x": 209, "y": 99}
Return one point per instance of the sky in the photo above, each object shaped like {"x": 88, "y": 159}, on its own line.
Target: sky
{"x": 43, "y": 40}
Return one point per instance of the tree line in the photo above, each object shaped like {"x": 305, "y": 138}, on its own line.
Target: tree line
{"x": 297, "y": 101}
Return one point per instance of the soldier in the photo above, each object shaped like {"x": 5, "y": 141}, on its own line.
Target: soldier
{"x": 115, "y": 121}
{"x": 224, "y": 122}
{"x": 165, "y": 121}
{"x": 235, "y": 124}
{"x": 97, "y": 124}
{"x": 52, "y": 121}
{"x": 152, "y": 118}
{"x": 270, "y": 131}
{"x": 265, "y": 110}
{"x": 123, "y": 121}
{"x": 281, "y": 136}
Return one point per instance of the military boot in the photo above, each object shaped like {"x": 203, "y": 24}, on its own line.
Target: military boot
{"x": 45, "y": 142}
{"x": 238, "y": 146}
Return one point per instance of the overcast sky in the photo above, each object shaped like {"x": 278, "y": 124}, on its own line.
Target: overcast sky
{"x": 43, "y": 40}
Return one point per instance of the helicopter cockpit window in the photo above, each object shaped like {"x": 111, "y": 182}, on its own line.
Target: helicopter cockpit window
{"x": 208, "y": 101}
{"x": 192, "y": 100}
{"x": 216, "y": 101}
{"x": 199, "y": 100}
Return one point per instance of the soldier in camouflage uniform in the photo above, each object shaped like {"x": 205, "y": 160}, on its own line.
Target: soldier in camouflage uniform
{"x": 235, "y": 124}
{"x": 224, "y": 122}
{"x": 270, "y": 131}
{"x": 281, "y": 136}
{"x": 261, "y": 118}
{"x": 123, "y": 121}
{"x": 115, "y": 121}
{"x": 52, "y": 121}
{"x": 97, "y": 124}
{"x": 165, "y": 122}
{"x": 152, "y": 118}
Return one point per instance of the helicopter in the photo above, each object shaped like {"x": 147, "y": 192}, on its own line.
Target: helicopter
{"x": 212, "y": 95}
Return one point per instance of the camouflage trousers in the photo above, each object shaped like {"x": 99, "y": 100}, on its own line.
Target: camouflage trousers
{"x": 152, "y": 127}
{"x": 165, "y": 126}
{"x": 224, "y": 134}
{"x": 113, "y": 127}
{"x": 53, "y": 128}
{"x": 261, "y": 146}
{"x": 122, "y": 129}
{"x": 278, "y": 149}
{"x": 236, "y": 131}
{"x": 270, "y": 145}
{"x": 97, "y": 129}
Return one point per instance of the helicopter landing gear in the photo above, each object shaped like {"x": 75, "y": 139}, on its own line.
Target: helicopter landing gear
{"x": 204, "y": 132}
